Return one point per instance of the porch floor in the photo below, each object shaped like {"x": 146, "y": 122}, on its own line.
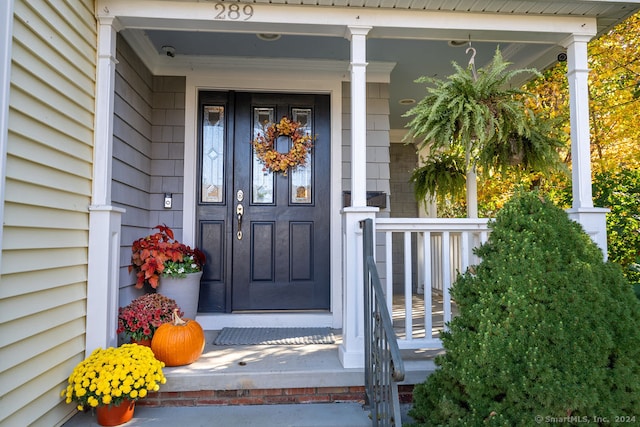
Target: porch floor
{"x": 250, "y": 367}
{"x": 263, "y": 367}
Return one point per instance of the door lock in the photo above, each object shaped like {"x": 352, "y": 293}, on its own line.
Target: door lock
{"x": 239, "y": 214}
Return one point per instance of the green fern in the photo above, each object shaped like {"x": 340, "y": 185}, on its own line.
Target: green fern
{"x": 483, "y": 118}
{"x": 532, "y": 148}
{"x": 440, "y": 175}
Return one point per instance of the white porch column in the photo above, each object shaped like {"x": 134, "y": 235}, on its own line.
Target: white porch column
{"x": 104, "y": 219}
{"x": 472, "y": 194}
{"x": 578, "y": 74}
{"x": 358, "y": 37}
{"x": 352, "y": 348}
{"x": 593, "y": 220}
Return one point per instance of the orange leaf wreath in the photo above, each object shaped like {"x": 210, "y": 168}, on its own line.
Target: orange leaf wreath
{"x": 275, "y": 161}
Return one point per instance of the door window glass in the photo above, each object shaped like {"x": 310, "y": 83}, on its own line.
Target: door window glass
{"x": 301, "y": 177}
{"x": 262, "y": 178}
{"x": 213, "y": 154}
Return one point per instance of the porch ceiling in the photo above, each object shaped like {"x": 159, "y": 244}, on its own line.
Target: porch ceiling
{"x": 416, "y": 47}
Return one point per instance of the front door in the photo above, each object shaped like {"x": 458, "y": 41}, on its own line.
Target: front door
{"x": 265, "y": 233}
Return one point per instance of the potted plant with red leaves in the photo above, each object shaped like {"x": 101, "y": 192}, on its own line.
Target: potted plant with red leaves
{"x": 152, "y": 254}
{"x": 160, "y": 260}
{"x": 140, "y": 319}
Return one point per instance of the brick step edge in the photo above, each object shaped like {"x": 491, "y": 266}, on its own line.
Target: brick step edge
{"x": 265, "y": 396}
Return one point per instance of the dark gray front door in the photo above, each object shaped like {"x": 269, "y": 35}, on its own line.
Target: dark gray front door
{"x": 265, "y": 234}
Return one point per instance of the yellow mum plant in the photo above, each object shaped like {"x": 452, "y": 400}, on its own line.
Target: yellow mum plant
{"x": 109, "y": 376}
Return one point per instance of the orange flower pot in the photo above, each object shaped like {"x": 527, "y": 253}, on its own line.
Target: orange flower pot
{"x": 115, "y": 415}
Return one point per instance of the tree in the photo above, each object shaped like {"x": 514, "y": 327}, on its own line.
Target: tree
{"x": 614, "y": 90}
{"x": 614, "y": 96}
{"x": 620, "y": 192}
{"x": 614, "y": 93}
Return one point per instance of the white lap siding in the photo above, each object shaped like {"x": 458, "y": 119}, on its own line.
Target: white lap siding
{"x": 46, "y": 218}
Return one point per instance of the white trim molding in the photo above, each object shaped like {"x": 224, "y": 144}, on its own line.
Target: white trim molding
{"x": 323, "y": 79}
{"x": 6, "y": 22}
{"x": 331, "y": 21}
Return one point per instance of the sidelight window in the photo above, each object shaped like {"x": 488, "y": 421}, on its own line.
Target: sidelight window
{"x": 213, "y": 154}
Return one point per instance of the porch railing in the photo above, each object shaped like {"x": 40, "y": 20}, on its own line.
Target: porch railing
{"x": 383, "y": 365}
{"x": 424, "y": 260}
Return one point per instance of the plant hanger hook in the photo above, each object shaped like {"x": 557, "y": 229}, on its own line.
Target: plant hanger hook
{"x": 472, "y": 60}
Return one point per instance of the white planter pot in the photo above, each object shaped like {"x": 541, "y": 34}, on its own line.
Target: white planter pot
{"x": 186, "y": 292}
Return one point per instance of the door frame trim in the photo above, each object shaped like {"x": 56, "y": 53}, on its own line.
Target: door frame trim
{"x": 268, "y": 80}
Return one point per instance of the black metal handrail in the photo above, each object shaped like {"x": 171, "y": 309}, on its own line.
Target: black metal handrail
{"x": 384, "y": 367}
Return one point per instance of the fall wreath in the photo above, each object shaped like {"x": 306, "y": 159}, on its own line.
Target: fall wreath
{"x": 275, "y": 161}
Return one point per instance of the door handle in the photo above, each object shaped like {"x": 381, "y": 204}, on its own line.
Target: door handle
{"x": 239, "y": 214}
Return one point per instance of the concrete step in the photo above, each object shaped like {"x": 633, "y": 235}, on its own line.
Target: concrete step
{"x": 259, "y": 374}
{"x": 298, "y": 415}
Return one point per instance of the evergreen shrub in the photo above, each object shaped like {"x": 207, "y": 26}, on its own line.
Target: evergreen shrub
{"x": 546, "y": 329}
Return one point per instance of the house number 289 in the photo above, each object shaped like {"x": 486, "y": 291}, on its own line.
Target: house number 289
{"x": 233, "y": 11}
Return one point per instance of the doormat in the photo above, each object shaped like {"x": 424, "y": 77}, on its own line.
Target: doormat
{"x": 274, "y": 336}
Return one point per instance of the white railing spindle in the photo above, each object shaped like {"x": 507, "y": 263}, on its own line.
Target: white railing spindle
{"x": 446, "y": 276}
{"x": 389, "y": 269}
{"x": 428, "y": 317}
{"x": 408, "y": 288}
{"x": 465, "y": 251}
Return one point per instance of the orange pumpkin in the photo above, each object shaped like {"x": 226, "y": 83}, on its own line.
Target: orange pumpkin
{"x": 179, "y": 342}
